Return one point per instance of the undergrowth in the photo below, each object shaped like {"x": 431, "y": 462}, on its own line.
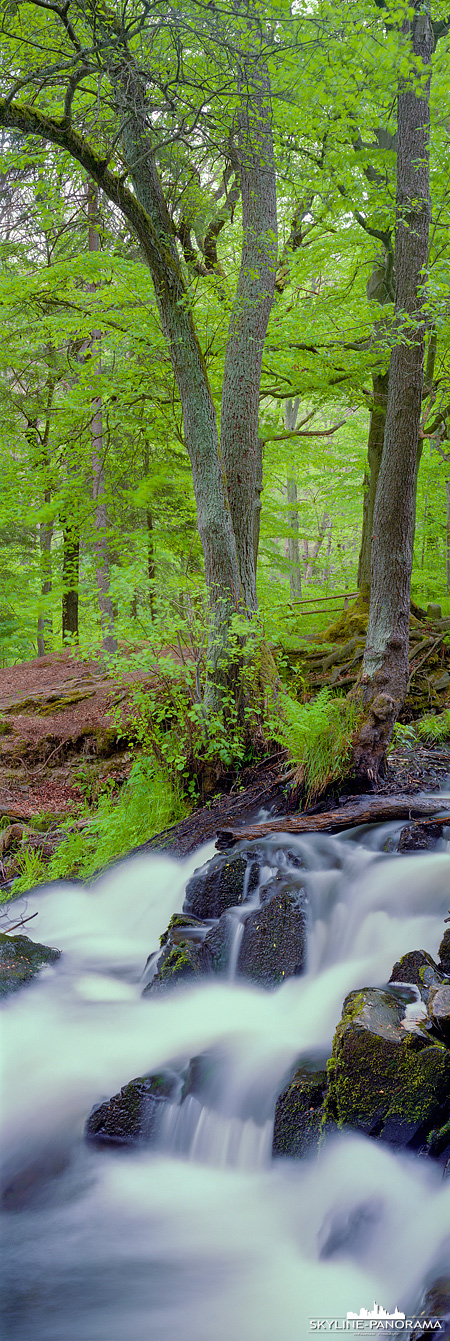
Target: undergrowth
{"x": 433, "y": 729}
{"x": 147, "y": 804}
{"x": 318, "y": 736}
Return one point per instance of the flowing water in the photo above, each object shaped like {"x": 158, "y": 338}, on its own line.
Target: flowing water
{"x": 205, "y": 1238}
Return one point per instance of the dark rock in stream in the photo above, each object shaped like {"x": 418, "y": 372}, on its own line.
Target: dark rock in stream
{"x": 384, "y": 1081}
{"x": 419, "y": 968}
{"x": 133, "y": 1115}
{"x": 224, "y": 882}
{"x": 435, "y": 1305}
{"x": 419, "y": 837}
{"x": 444, "y": 953}
{"x": 273, "y": 945}
{"x": 20, "y": 960}
{"x": 439, "y": 1010}
{"x": 298, "y": 1114}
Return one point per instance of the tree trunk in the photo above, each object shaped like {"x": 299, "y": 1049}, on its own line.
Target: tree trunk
{"x": 447, "y": 536}
{"x": 323, "y": 527}
{"x": 250, "y": 315}
{"x": 257, "y": 503}
{"x": 385, "y": 667}
{"x": 44, "y": 623}
{"x": 102, "y": 572}
{"x": 71, "y": 563}
{"x": 380, "y": 382}
{"x": 151, "y": 567}
{"x": 295, "y": 578}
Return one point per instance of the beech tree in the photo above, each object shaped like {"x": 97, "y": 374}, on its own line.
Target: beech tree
{"x": 147, "y": 106}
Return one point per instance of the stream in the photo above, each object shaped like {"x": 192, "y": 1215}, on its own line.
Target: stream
{"x": 205, "y": 1237}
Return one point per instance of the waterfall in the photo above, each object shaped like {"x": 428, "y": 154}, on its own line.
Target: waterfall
{"x": 204, "y": 1237}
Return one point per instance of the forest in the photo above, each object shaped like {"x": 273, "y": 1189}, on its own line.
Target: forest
{"x": 225, "y": 669}
{"x": 224, "y": 369}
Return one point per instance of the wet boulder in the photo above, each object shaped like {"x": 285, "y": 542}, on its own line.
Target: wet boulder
{"x": 133, "y": 1115}
{"x": 384, "y": 1081}
{"x": 216, "y": 948}
{"x": 20, "y": 960}
{"x": 298, "y": 1114}
{"x": 419, "y": 837}
{"x": 181, "y": 958}
{"x": 439, "y": 1010}
{"x": 273, "y": 945}
{"x": 224, "y": 882}
{"x": 418, "y": 968}
{"x": 444, "y": 953}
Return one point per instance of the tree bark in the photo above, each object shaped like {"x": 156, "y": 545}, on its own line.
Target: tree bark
{"x": 71, "y": 562}
{"x": 295, "y": 577}
{"x": 385, "y": 667}
{"x": 102, "y": 571}
{"x": 251, "y": 310}
{"x": 44, "y": 623}
{"x": 380, "y": 383}
{"x": 372, "y": 810}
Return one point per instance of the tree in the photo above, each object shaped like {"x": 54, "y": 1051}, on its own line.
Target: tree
{"x": 385, "y": 666}
{"x": 101, "y": 43}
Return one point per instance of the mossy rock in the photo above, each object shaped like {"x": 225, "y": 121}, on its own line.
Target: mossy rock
{"x": 298, "y": 1114}
{"x": 444, "y": 953}
{"x": 133, "y": 1115}
{"x": 224, "y": 882}
{"x": 417, "y": 967}
{"x": 179, "y": 924}
{"x": 383, "y": 1081}
{"x": 273, "y": 945}
{"x": 178, "y": 964}
{"x": 20, "y": 960}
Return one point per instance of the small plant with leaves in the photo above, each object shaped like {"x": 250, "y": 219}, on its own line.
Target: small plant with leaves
{"x": 318, "y": 736}
{"x": 434, "y": 728}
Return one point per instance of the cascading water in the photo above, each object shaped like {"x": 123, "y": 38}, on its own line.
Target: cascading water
{"x": 205, "y": 1238}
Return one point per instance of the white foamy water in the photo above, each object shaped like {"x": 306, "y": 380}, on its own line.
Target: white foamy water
{"x": 206, "y": 1238}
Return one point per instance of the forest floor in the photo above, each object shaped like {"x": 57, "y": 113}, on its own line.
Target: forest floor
{"x": 58, "y": 738}
{"x": 60, "y": 745}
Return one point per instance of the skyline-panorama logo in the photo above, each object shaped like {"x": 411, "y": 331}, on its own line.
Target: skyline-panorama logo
{"x": 370, "y": 1321}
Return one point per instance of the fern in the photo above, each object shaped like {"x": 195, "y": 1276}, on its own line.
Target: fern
{"x": 318, "y": 736}
{"x": 434, "y": 728}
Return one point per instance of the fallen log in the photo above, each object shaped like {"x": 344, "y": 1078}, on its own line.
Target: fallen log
{"x": 367, "y": 810}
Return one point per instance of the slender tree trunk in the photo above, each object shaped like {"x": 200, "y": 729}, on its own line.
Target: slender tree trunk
{"x": 447, "y": 536}
{"x": 295, "y": 578}
{"x": 250, "y": 315}
{"x": 199, "y": 415}
{"x": 71, "y": 563}
{"x": 44, "y": 623}
{"x": 385, "y": 666}
{"x": 151, "y": 566}
{"x": 323, "y": 528}
{"x": 380, "y": 382}
{"x": 102, "y": 570}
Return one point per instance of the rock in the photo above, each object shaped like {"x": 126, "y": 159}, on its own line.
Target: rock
{"x": 298, "y": 1114}
{"x": 215, "y": 953}
{"x": 434, "y": 611}
{"x": 383, "y": 1081}
{"x": 224, "y": 882}
{"x": 439, "y": 1010}
{"x": 178, "y": 963}
{"x": 183, "y": 926}
{"x": 20, "y": 961}
{"x": 133, "y": 1115}
{"x": 444, "y": 953}
{"x": 273, "y": 945}
{"x": 419, "y": 837}
{"x": 435, "y": 1305}
{"x": 419, "y": 968}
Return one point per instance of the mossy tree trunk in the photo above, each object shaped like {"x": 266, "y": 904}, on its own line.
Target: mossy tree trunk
{"x": 384, "y": 680}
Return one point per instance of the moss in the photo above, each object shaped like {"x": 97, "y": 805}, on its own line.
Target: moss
{"x": 298, "y": 1114}
{"x": 380, "y": 1081}
{"x": 20, "y": 960}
